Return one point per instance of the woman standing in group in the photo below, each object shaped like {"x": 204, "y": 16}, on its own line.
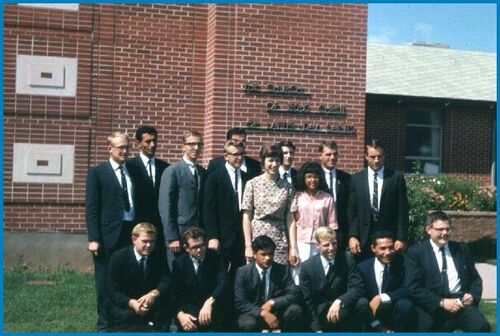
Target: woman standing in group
{"x": 312, "y": 207}
{"x": 266, "y": 205}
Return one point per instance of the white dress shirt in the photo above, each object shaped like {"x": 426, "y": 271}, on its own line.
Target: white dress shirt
{"x": 380, "y": 183}
{"x": 230, "y": 170}
{"x": 289, "y": 172}
{"x": 127, "y": 215}
{"x": 268, "y": 276}
{"x": 334, "y": 181}
{"x": 145, "y": 161}
{"x": 453, "y": 279}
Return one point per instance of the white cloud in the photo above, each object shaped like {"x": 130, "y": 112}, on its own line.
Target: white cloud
{"x": 384, "y": 34}
{"x": 424, "y": 28}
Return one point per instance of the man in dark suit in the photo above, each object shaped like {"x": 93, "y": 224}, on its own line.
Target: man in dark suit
{"x": 139, "y": 284}
{"x": 222, "y": 207}
{"x": 146, "y": 170}
{"x": 200, "y": 284}
{"x": 444, "y": 282}
{"x": 250, "y": 166}
{"x": 329, "y": 156}
{"x": 377, "y": 201}
{"x": 181, "y": 193}
{"x": 386, "y": 305}
{"x": 109, "y": 214}
{"x": 287, "y": 172}
{"x": 265, "y": 295}
{"x": 330, "y": 284}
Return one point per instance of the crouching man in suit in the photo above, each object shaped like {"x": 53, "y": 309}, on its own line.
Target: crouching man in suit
{"x": 139, "y": 284}
{"x": 265, "y": 295}
{"x": 386, "y": 305}
{"x": 444, "y": 282}
{"x": 331, "y": 284}
{"x": 200, "y": 284}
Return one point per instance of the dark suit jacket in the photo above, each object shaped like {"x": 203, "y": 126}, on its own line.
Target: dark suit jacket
{"x": 125, "y": 278}
{"x": 146, "y": 203}
{"x": 253, "y": 166}
{"x": 342, "y": 189}
{"x": 191, "y": 290}
{"x": 104, "y": 206}
{"x": 179, "y": 202}
{"x": 425, "y": 278}
{"x": 395, "y": 286}
{"x": 393, "y": 209}
{"x": 319, "y": 292}
{"x": 282, "y": 289}
{"x": 221, "y": 214}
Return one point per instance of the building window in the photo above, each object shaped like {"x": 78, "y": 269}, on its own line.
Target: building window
{"x": 424, "y": 131}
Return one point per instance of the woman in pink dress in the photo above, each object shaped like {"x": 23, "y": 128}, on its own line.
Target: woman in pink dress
{"x": 312, "y": 207}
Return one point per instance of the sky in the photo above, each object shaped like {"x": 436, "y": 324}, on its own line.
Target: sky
{"x": 460, "y": 25}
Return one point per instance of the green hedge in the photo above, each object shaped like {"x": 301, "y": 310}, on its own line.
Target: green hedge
{"x": 443, "y": 192}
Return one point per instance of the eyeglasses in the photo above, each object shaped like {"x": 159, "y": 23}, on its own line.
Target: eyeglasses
{"x": 198, "y": 247}
{"x": 193, "y": 144}
{"x": 237, "y": 154}
{"x": 447, "y": 229}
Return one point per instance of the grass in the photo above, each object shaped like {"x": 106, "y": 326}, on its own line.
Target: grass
{"x": 64, "y": 301}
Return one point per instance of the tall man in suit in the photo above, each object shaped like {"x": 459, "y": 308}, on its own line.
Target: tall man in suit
{"x": 385, "y": 305}
{"x": 287, "y": 172}
{"x": 222, "y": 206}
{"x": 109, "y": 214}
{"x": 265, "y": 295}
{"x": 146, "y": 170}
{"x": 444, "y": 282}
{"x": 250, "y": 166}
{"x": 139, "y": 284}
{"x": 377, "y": 201}
{"x": 338, "y": 184}
{"x": 330, "y": 284}
{"x": 181, "y": 193}
{"x": 200, "y": 284}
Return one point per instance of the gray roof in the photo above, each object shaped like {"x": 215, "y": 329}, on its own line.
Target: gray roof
{"x": 419, "y": 71}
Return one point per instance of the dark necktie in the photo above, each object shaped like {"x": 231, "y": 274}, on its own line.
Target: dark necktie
{"x": 124, "y": 189}
{"x": 263, "y": 286}
{"x": 151, "y": 172}
{"x": 236, "y": 187}
{"x": 142, "y": 267}
{"x": 195, "y": 176}
{"x": 444, "y": 273}
{"x": 375, "y": 193}
{"x": 329, "y": 273}
{"x": 385, "y": 276}
{"x": 285, "y": 176}
{"x": 331, "y": 183}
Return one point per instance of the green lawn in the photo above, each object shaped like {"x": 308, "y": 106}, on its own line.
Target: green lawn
{"x": 64, "y": 301}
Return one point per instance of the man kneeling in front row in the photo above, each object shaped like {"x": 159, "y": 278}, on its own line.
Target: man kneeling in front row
{"x": 139, "y": 284}
{"x": 265, "y": 295}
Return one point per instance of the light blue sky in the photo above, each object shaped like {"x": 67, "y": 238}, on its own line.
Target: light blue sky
{"x": 460, "y": 25}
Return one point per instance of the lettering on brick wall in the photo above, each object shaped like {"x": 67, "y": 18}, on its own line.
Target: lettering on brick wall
{"x": 305, "y": 109}
{"x": 275, "y": 89}
{"x": 290, "y": 126}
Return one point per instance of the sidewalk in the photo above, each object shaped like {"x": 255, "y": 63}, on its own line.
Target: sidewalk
{"x": 489, "y": 275}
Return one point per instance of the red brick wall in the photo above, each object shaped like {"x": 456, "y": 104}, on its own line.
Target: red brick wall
{"x": 176, "y": 67}
{"x": 467, "y": 133}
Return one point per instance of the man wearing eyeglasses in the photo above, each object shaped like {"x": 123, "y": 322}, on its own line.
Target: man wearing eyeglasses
{"x": 181, "y": 193}
{"x": 109, "y": 214}
{"x": 444, "y": 282}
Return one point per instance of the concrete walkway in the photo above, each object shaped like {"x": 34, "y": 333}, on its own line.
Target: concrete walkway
{"x": 489, "y": 275}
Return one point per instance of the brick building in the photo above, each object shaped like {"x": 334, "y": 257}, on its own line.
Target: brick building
{"x": 75, "y": 73}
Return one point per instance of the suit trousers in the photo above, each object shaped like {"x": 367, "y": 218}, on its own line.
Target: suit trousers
{"x": 291, "y": 320}
{"x": 469, "y": 319}
{"x": 398, "y": 316}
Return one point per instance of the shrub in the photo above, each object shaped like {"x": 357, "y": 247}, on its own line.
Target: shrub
{"x": 443, "y": 192}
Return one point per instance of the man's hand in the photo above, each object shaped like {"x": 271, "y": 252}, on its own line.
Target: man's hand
{"x": 137, "y": 307}
{"x": 248, "y": 254}
{"x": 94, "y": 247}
{"x": 467, "y": 299}
{"x": 452, "y": 305}
{"x": 213, "y": 244}
{"x": 147, "y": 300}
{"x": 270, "y": 319}
{"x": 375, "y": 303}
{"x": 187, "y": 321}
{"x": 354, "y": 246}
{"x": 175, "y": 246}
{"x": 205, "y": 316}
{"x": 294, "y": 257}
{"x": 333, "y": 314}
{"x": 399, "y": 246}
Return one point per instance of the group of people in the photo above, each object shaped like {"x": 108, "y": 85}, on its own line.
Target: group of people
{"x": 251, "y": 246}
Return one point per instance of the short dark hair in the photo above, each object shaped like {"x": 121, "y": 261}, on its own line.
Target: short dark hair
{"x": 270, "y": 151}
{"x": 308, "y": 168}
{"x": 330, "y": 144}
{"x": 235, "y": 130}
{"x": 373, "y": 143}
{"x": 193, "y": 232}
{"x": 263, "y": 243}
{"x": 436, "y": 216}
{"x": 287, "y": 143}
{"x": 381, "y": 234}
{"x": 145, "y": 129}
